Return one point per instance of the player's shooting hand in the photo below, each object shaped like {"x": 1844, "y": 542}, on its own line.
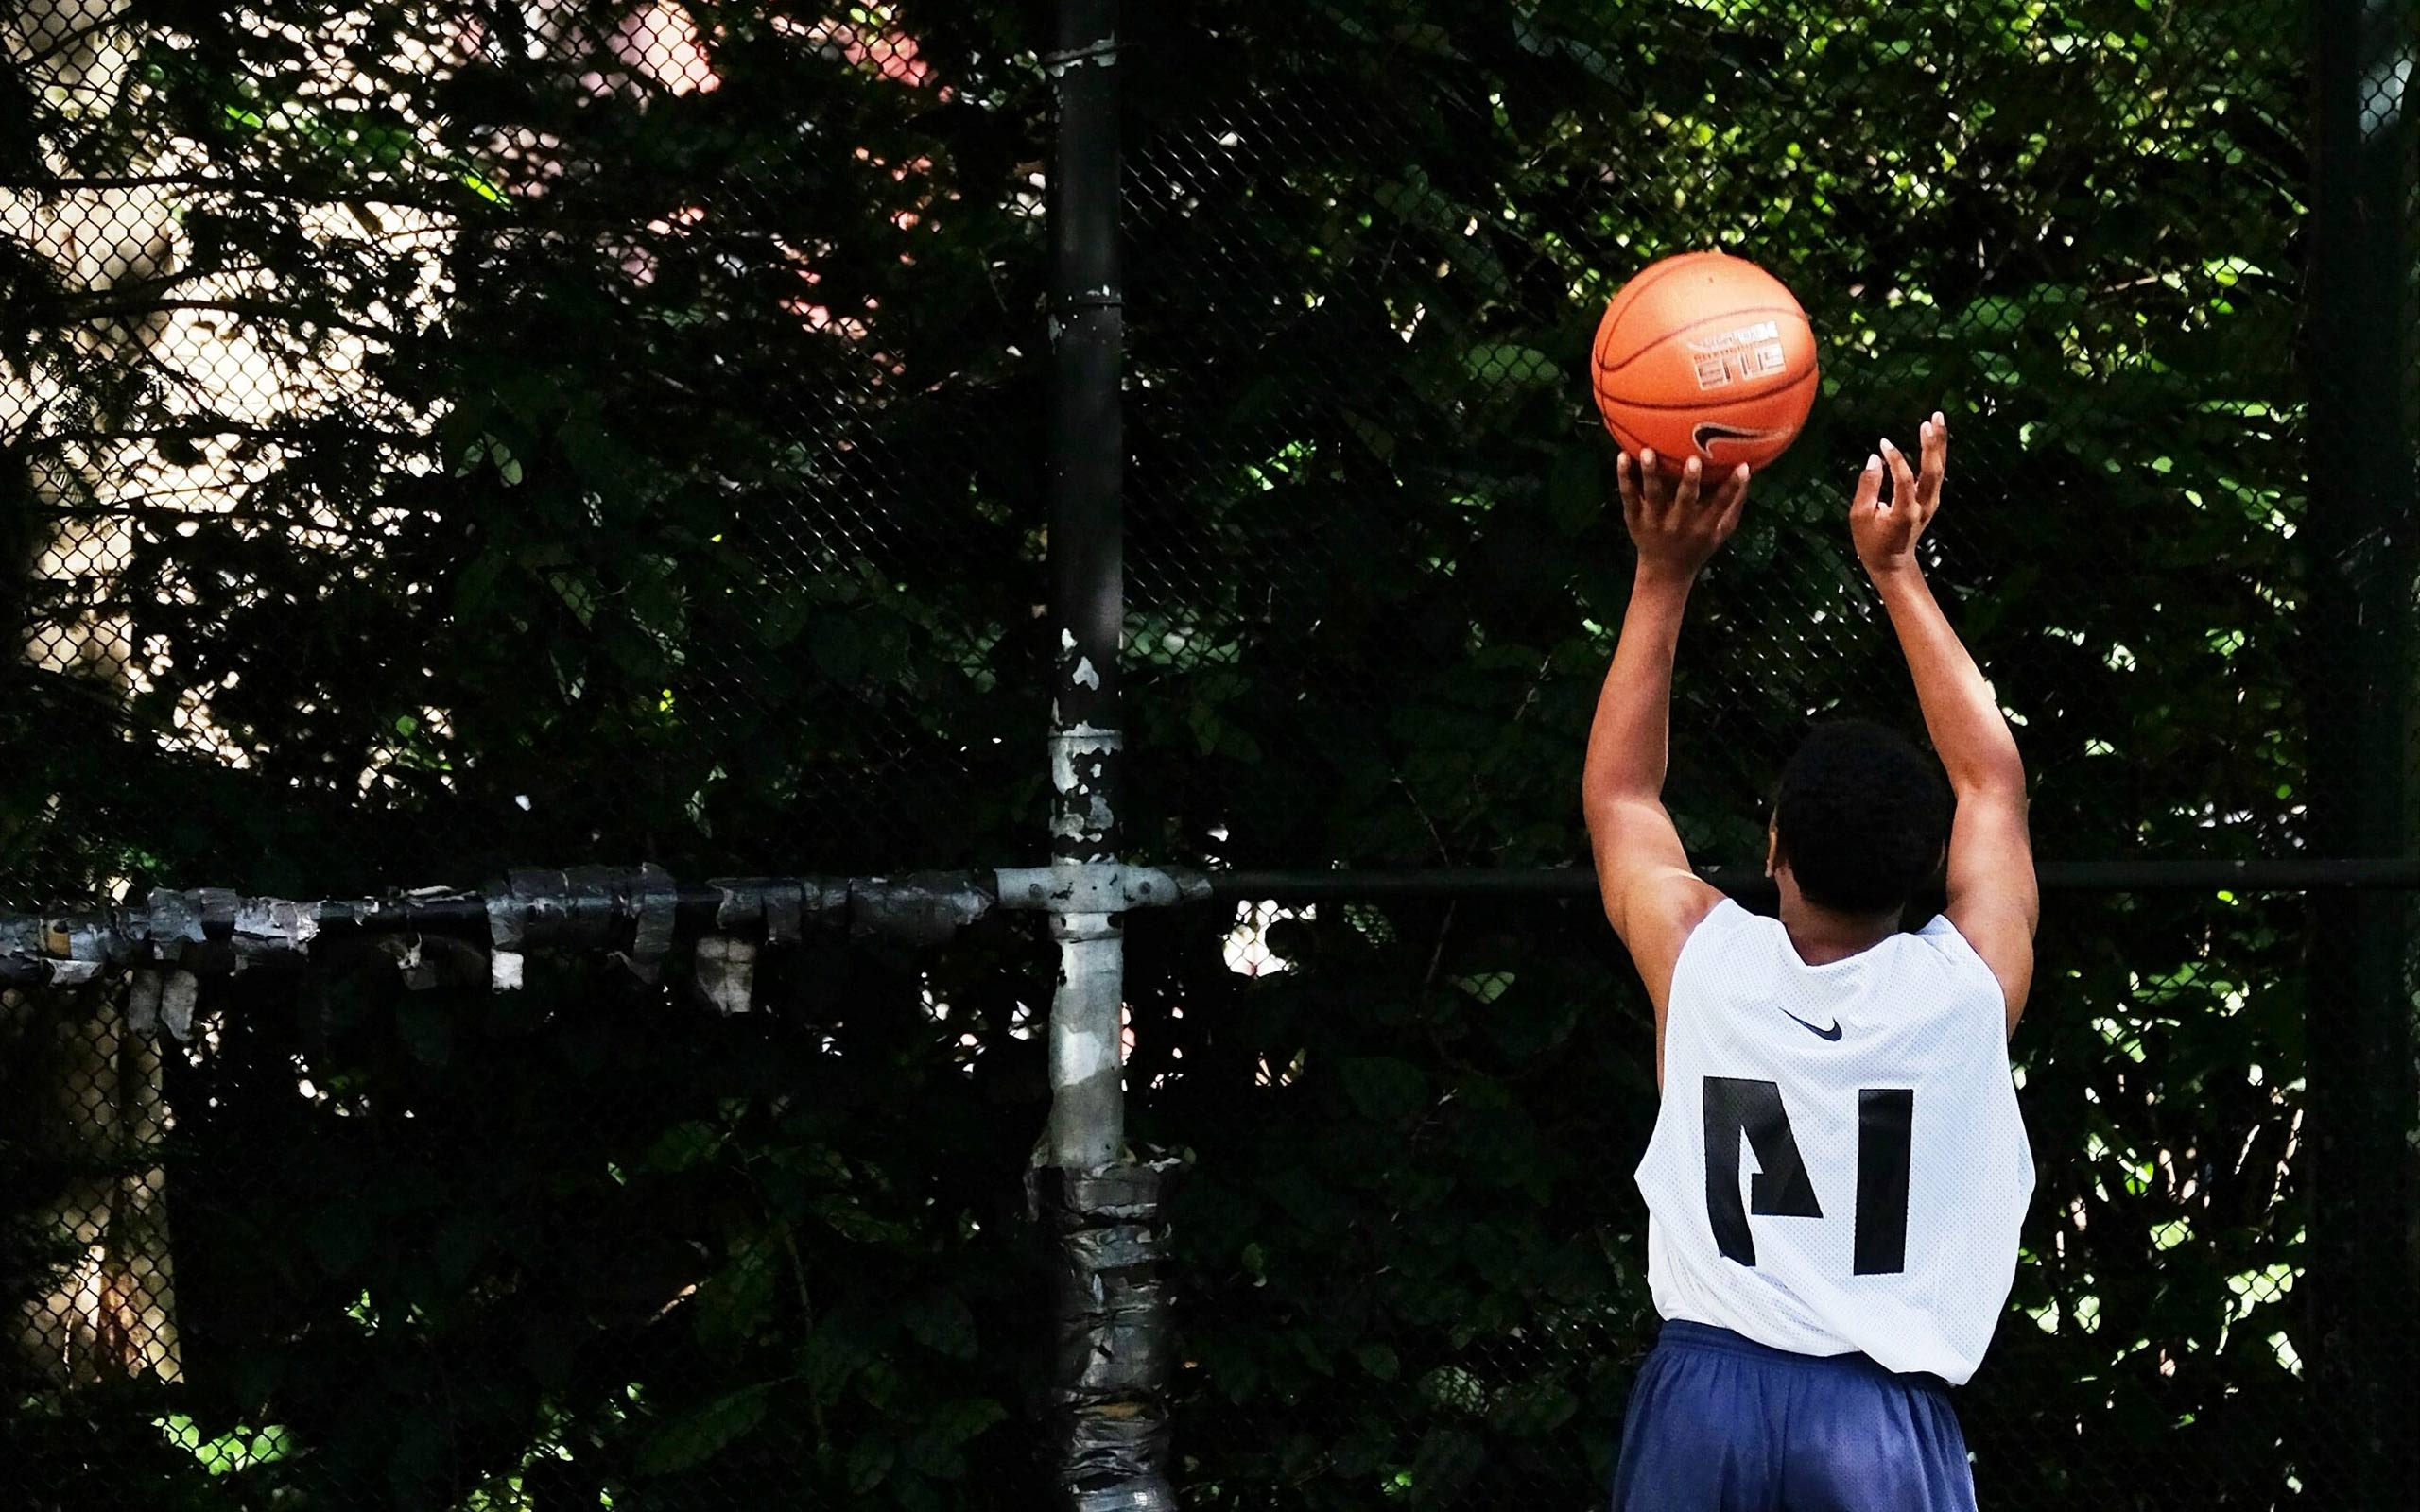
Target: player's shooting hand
{"x": 1675, "y": 522}
{"x": 1886, "y": 531}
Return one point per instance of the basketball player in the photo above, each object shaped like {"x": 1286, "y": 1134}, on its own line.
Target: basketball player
{"x": 1838, "y": 1169}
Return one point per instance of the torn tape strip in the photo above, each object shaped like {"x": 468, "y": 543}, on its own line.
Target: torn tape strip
{"x": 21, "y": 939}
{"x": 923, "y": 909}
{"x": 1113, "y": 1362}
{"x": 545, "y": 901}
{"x": 142, "y": 1002}
{"x": 1155, "y": 1497}
{"x": 89, "y": 943}
{"x": 651, "y": 937}
{"x": 175, "y": 922}
{"x": 595, "y": 901}
{"x": 742, "y": 906}
{"x": 178, "y": 997}
{"x": 772, "y": 905}
{"x": 216, "y": 907}
{"x": 272, "y": 927}
{"x": 784, "y": 905}
{"x": 826, "y": 897}
{"x": 506, "y": 920}
{"x": 506, "y": 916}
{"x": 726, "y": 975}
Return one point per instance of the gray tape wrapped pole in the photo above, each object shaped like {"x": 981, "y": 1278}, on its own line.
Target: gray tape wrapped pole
{"x": 1087, "y": 576}
{"x": 1109, "y": 1310}
{"x": 1109, "y": 1388}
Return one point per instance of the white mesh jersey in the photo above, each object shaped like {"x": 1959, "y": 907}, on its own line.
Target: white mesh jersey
{"x": 1838, "y": 1165}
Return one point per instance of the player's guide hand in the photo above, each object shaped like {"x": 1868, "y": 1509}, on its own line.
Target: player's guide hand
{"x": 1675, "y": 524}
{"x": 1886, "y": 531}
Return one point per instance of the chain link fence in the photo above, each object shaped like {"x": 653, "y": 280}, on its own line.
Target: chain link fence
{"x": 455, "y": 435}
{"x": 1374, "y": 590}
{"x": 447, "y": 436}
{"x": 1417, "y": 1267}
{"x": 369, "y": 1234}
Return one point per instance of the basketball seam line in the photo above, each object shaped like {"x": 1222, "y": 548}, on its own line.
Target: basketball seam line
{"x": 1653, "y": 342}
{"x": 1628, "y": 297}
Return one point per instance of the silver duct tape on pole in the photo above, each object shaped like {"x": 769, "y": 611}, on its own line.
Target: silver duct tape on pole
{"x": 433, "y": 934}
{"x": 272, "y": 928}
{"x": 1084, "y": 771}
{"x": 1084, "y": 893}
{"x": 1110, "y": 1412}
{"x": 143, "y": 1003}
{"x": 726, "y": 973}
{"x": 506, "y": 918}
{"x": 1108, "y": 1401}
{"x": 652, "y": 932}
{"x": 179, "y": 996}
{"x": 775, "y": 905}
{"x": 925, "y": 908}
{"x": 175, "y": 922}
{"x": 1087, "y": 1093}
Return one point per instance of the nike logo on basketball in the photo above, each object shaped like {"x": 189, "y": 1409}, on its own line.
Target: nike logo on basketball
{"x": 1832, "y": 1033}
{"x": 1705, "y": 433}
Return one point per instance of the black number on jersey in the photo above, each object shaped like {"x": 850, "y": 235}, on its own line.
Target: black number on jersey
{"x": 1735, "y": 1107}
{"x": 1885, "y": 1116}
{"x": 1780, "y": 1189}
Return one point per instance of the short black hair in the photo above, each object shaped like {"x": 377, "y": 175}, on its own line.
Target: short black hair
{"x": 1861, "y": 816}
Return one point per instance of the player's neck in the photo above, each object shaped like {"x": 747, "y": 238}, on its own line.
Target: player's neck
{"x": 1822, "y": 935}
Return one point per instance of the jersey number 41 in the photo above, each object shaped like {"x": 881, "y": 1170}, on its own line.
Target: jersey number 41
{"x": 1735, "y": 1107}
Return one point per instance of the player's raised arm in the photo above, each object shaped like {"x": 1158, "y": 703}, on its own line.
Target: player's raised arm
{"x": 1651, "y": 895}
{"x": 1993, "y": 897}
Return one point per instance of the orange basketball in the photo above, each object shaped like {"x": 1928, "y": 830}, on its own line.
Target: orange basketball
{"x": 1704, "y": 355}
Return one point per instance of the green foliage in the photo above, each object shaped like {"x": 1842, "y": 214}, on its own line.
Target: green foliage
{"x": 1390, "y": 530}
{"x": 647, "y": 504}
{"x": 1412, "y": 1262}
{"x": 2069, "y": 229}
{"x": 1407, "y": 1270}
{"x": 611, "y": 1250}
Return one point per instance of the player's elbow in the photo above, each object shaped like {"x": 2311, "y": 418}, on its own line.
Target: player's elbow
{"x": 1611, "y": 785}
{"x": 1598, "y": 795}
{"x": 1594, "y": 812}
{"x": 1993, "y": 776}
{"x": 1613, "y": 812}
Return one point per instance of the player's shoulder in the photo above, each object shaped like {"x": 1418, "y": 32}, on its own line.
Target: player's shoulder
{"x": 1941, "y": 934}
{"x": 1722, "y": 920}
{"x": 1941, "y": 940}
{"x": 1717, "y": 938}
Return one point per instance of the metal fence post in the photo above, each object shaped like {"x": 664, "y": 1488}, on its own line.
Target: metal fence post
{"x": 2360, "y": 537}
{"x": 1087, "y": 575}
{"x": 1108, "y": 1408}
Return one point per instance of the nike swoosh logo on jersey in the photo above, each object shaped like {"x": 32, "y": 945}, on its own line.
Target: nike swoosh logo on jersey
{"x": 1832, "y": 1033}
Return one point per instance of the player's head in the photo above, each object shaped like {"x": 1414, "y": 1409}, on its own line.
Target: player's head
{"x": 1860, "y": 818}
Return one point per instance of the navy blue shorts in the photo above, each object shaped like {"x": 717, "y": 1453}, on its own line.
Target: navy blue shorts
{"x": 1719, "y": 1423}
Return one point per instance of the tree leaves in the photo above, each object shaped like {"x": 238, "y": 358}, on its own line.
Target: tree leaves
{"x": 941, "y": 1323}
{"x": 702, "y": 1432}
{"x": 1382, "y": 1089}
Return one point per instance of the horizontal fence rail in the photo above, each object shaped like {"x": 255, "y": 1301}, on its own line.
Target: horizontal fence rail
{"x": 596, "y": 904}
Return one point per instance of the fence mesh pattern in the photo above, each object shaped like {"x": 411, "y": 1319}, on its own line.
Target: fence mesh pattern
{"x": 442, "y": 436}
